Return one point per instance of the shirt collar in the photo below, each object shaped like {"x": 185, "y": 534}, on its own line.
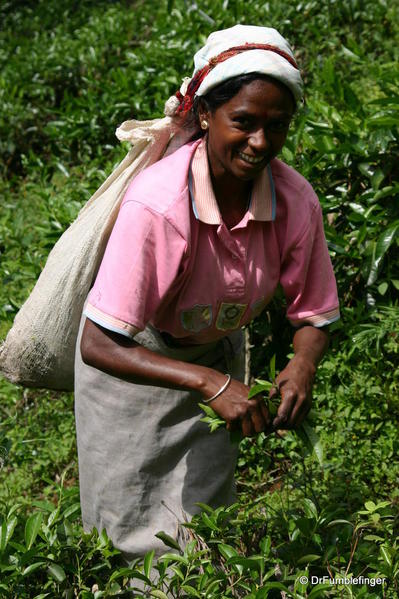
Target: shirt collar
{"x": 262, "y": 204}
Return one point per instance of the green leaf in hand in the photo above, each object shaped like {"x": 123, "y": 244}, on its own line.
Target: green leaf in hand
{"x": 211, "y": 418}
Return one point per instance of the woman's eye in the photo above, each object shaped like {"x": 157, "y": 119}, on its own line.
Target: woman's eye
{"x": 241, "y": 122}
{"x": 279, "y": 126}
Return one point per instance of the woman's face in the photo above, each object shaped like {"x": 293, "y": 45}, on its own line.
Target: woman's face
{"x": 249, "y": 130}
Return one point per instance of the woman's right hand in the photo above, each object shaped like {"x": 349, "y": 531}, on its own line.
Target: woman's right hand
{"x": 233, "y": 405}
{"x": 125, "y": 359}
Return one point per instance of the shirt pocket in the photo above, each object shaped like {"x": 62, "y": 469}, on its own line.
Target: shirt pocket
{"x": 197, "y": 318}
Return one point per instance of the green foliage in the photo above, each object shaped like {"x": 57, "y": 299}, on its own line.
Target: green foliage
{"x": 69, "y": 74}
{"x": 47, "y": 554}
{"x": 350, "y": 147}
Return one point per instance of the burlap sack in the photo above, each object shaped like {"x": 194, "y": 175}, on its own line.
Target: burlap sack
{"x": 39, "y": 350}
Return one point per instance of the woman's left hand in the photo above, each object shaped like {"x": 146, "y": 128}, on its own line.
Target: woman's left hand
{"x": 294, "y": 385}
{"x": 295, "y": 382}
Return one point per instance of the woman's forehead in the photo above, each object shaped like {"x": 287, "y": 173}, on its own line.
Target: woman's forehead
{"x": 262, "y": 94}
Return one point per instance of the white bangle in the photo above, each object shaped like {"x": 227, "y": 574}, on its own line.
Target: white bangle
{"x": 222, "y": 388}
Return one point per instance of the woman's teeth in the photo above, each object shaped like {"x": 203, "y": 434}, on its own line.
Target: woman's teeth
{"x": 250, "y": 159}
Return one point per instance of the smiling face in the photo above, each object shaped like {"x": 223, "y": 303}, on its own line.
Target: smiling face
{"x": 249, "y": 130}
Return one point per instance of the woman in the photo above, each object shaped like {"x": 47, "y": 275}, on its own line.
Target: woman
{"x": 202, "y": 239}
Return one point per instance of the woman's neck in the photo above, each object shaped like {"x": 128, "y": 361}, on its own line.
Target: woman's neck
{"x": 233, "y": 198}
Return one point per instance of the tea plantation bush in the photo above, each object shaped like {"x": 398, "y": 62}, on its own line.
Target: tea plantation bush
{"x": 310, "y": 506}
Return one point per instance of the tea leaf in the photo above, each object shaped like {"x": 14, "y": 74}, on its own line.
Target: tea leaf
{"x": 168, "y": 540}
{"x": 57, "y": 572}
{"x": 6, "y": 531}
{"x": 149, "y": 557}
{"x": 32, "y": 527}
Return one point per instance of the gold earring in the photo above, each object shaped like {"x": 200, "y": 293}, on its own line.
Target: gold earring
{"x": 204, "y": 124}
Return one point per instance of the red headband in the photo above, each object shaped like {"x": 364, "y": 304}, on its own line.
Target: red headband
{"x": 186, "y": 102}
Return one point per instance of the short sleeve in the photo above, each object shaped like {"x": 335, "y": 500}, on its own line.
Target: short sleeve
{"x": 140, "y": 264}
{"x": 308, "y": 279}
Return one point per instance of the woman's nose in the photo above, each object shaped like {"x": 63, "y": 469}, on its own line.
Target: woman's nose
{"x": 258, "y": 141}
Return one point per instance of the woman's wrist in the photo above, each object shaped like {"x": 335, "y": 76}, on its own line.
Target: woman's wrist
{"x": 221, "y": 390}
{"x": 310, "y": 345}
{"x": 210, "y": 381}
{"x": 306, "y": 361}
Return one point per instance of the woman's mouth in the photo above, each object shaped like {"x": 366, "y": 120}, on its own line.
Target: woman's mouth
{"x": 251, "y": 159}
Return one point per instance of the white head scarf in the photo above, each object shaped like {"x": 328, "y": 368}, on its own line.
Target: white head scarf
{"x": 274, "y": 58}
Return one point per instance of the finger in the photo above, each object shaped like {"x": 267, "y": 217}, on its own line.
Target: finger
{"x": 288, "y": 399}
{"x": 266, "y": 415}
{"x": 274, "y": 391}
{"x": 246, "y": 426}
{"x": 301, "y": 410}
{"x": 256, "y": 415}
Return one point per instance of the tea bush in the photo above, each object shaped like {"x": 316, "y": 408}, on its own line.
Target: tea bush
{"x": 70, "y": 72}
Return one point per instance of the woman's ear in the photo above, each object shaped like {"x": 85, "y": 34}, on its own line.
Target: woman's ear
{"x": 203, "y": 115}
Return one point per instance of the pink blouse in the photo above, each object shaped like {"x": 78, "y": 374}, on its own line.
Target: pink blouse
{"x": 172, "y": 262}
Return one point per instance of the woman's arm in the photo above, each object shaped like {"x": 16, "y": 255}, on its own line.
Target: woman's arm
{"x": 295, "y": 382}
{"x": 121, "y": 357}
